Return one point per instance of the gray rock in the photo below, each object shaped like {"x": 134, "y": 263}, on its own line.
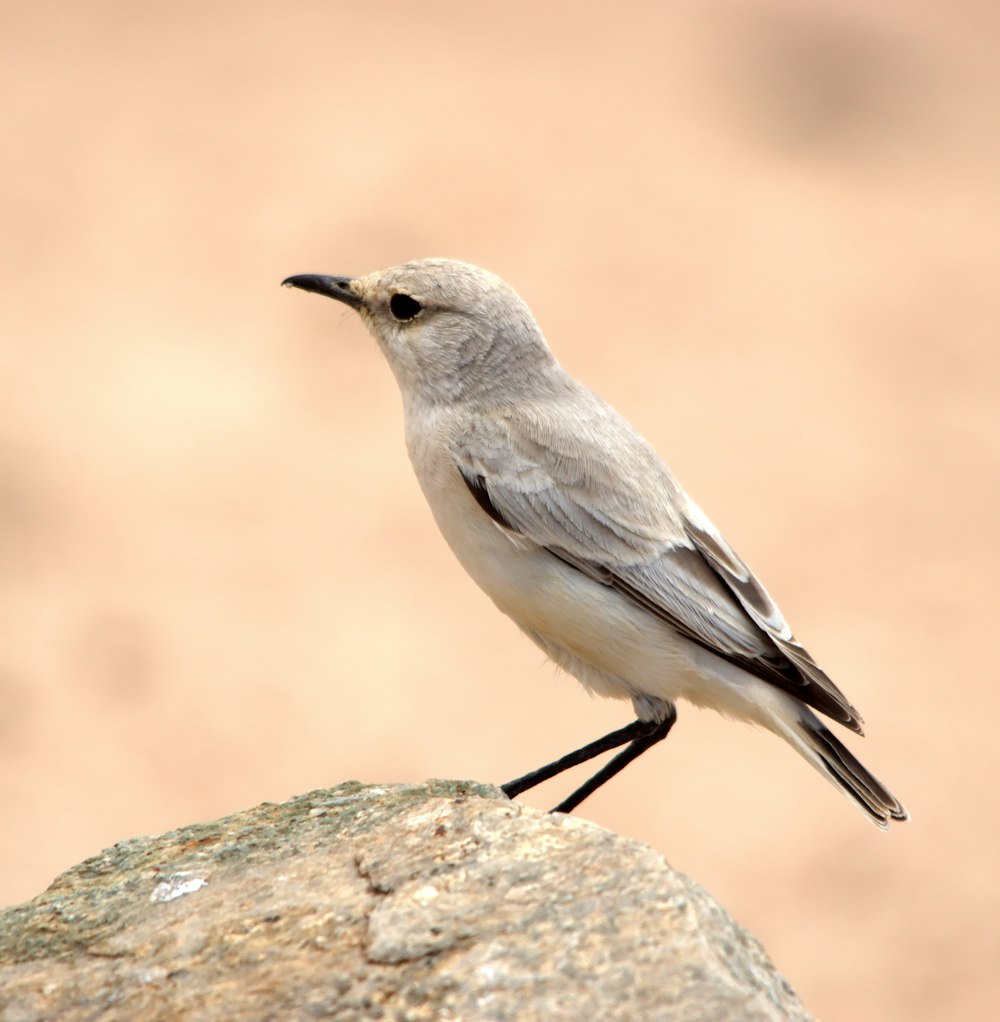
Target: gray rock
{"x": 437, "y": 901}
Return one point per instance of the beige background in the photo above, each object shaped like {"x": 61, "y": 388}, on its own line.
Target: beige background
{"x": 766, "y": 232}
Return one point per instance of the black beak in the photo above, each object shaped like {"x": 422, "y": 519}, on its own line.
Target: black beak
{"x": 333, "y": 287}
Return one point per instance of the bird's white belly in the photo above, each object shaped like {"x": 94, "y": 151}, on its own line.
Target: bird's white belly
{"x": 614, "y": 647}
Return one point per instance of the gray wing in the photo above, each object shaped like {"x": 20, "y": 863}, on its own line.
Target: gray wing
{"x": 597, "y": 496}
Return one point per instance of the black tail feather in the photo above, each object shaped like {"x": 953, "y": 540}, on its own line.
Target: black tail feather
{"x": 845, "y": 770}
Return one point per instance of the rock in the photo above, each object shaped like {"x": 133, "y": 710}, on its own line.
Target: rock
{"x": 408, "y": 902}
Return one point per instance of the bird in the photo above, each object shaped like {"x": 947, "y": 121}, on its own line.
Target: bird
{"x": 572, "y": 524}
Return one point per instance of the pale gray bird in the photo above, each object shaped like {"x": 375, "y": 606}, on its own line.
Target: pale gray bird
{"x": 573, "y": 526}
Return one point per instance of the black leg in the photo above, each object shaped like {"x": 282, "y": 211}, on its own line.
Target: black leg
{"x": 622, "y": 760}
{"x": 640, "y": 733}
{"x": 637, "y": 729}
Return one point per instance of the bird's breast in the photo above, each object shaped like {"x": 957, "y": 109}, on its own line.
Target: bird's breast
{"x": 547, "y": 598}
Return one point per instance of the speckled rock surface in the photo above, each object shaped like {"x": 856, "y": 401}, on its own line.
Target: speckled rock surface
{"x": 436, "y": 901}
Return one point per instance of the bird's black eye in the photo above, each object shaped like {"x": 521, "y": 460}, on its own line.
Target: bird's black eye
{"x": 404, "y": 308}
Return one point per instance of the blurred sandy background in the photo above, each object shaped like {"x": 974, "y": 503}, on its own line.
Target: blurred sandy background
{"x": 766, "y": 232}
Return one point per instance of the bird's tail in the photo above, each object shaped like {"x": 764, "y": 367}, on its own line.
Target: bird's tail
{"x": 821, "y": 747}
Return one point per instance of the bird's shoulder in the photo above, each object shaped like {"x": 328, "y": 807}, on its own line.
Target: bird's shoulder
{"x": 571, "y": 440}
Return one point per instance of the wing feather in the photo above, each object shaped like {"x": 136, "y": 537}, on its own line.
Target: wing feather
{"x": 635, "y": 531}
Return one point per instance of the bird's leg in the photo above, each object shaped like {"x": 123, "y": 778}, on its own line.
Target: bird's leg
{"x": 640, "y": 733}
{"x": 622, "y": 760}
{"x": 631, "y": 732}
